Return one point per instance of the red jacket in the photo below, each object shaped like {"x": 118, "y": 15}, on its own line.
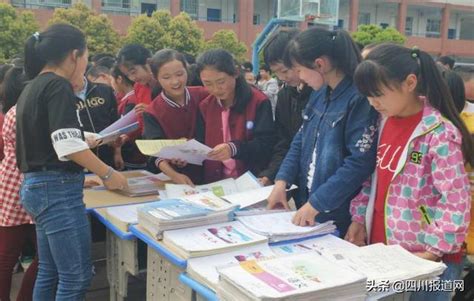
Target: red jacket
{"x": 251, "y": 130}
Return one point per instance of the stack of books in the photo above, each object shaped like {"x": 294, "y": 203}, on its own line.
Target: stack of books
{"x": 305, "y": 276}
{"x": 279, "y": 227}
{"x": 210, "y": 240}
{"x": 185, "y": 212}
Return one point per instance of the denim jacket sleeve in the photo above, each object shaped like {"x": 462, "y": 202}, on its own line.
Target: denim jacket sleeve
{"x": 360, "y": 142}
{"x": 289, "y": 168}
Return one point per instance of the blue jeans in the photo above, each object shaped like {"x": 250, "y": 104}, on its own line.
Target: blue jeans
{"x": 453, "y": 272}
{"x": 55, "y": 200}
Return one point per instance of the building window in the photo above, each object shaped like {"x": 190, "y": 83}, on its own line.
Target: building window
{"x": 190, "y": 7}
{"x": 409, "y": 26}
{"x": 433, "y": 28}
{"x": 364, "y": 18}
{"x": 148, "y": 8}
{"x": 256, "y": 19}
{"x": 214, "y": 15}
{"x": 452, "y": 34}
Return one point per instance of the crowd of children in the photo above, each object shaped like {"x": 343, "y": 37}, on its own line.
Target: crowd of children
{"x": 379, "y": 144}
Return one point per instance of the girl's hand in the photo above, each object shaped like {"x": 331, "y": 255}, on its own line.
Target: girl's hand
{"x": 140, "y": 108}
{"x": 89, "y": 183}
{"x": 180, "y": 178}
{"x": 121, "y": 140}
{"x": 264, "y": 181}
{"x": 92, "y": 142}
{"x": 221, "y": 152}
{"x": 356, "y": 234}
{"x": 427, "y": 255}
{"x": 178, "y": 162}
{"x": 277, "y": 198}
{"x": 116, "y": 181}
{"x": 305, "y": 215}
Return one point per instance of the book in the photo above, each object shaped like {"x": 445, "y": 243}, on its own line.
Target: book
{"x": 141, "y": 183}
{"x": 123, "y": 216}
{"x": 204, "y": 269}
{"x": 190, "y": 151}
{"x": 279, "y": 227}
{"x": 210, "y": 239}
{"x": 126, "y": 124}
{"x": 305, "y": 276}
{"x": 382, "y": 263}
{"x": 192, "y": 211}
{"x": 325, "y": 245}
{"x": 220, "y": 188}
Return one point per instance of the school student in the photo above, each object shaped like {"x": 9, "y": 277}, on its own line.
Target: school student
{"x": 16, "y": 226}
{"x": 268, "y": 85}
{"x": 419, "y": 195}
{"x": 123, "y": 86}
{"x": 236, "y": 119}
{"x": 291, "y": 101}
{"x": 97, "y": 109}
{"x": 334, "y": 152}
{"x": 173, "y": 113}
{"x": 52, "y": 154}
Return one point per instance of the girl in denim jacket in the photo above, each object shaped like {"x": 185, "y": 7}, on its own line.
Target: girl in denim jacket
{"x": 419, "y": 194}
{"x": 333, "y": 153}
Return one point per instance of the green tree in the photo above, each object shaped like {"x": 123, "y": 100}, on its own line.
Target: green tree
{"x": 227, "y": 39}
{"x": 162, "y": 31}
{"x": 15, "y": 28}
{"x": 185, "y": 35}
{"x": 151, "y": 32}
{"x": 367, "y": 34}
{"x": 100, "y": 34}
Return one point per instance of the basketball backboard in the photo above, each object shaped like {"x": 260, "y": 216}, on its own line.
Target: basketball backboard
{"x": 324, "y": 12}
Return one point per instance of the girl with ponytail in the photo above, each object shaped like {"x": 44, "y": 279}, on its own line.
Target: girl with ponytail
{"x": 419, "y": 194}
{"x": 52, "y": 154}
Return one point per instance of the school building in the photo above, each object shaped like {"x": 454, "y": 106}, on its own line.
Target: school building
{"x": 439, "y": 26}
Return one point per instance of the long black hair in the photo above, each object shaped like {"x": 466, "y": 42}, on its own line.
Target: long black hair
{"x": 313, "y": 43}
{"x": 51, "y": 47}
{"x": 456, "y": 87}
{"x": 388, "y": 65}
{"x": 222, "y": 61}
{"x": 133, "y": 54}
{"x": 116, "y": 73}
{"x": 11, "y": 88}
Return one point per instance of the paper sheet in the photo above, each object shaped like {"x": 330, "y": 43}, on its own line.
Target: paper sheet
{"x": 153, "y": 147}
{"x": 127, "y": 214}
{"x": 124, "y": 121}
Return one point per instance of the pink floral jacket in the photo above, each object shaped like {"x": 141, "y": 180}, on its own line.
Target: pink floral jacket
{"x": 428, "y": 200}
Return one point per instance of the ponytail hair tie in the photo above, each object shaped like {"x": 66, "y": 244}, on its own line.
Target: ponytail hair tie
{"x": 36, "y": 35}
{"x": 415, "y": 52}
{"x": 333, "y": 35}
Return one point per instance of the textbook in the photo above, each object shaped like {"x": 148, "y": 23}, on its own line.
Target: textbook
{"x": 325, "y": 245}
{"x": 123, "y": 216}
{"x": 141, "y": 183}
{"x": 382, "y": 263}
{"x": 305, "y": 276}
{"x": 210, "y": 239}
{"x": 204, "y": 269}
{"x": 126, "y": 124}
{"x": 230, "y": 186}
{"x": 278, "y": 226}
{"x": 186, "y": 212}
{"x": 190, "y": 151}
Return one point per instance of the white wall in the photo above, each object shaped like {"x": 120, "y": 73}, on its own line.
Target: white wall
{"x": 264, "y": 8}
{"x": 380, "y": 12}
{"x": 344, "y": 12}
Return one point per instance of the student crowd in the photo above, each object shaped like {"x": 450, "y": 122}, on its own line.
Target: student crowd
{"x": 382, "y": 145}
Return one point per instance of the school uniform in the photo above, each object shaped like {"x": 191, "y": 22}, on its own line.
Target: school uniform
{"x": 165, "y": 119}
{"x": 97, "y": 109}
{"x": 248, "y": 129}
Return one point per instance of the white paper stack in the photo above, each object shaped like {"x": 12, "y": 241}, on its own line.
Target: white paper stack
{"x": 326, "y": 245}
{"x": 278, "y": 226}
{"x": 211, "y": 239}
{"x": 305, "y": 276}
{"x": 191, "y": 211}
{"x": 382, "y": 263}
{"x": 204, "y": 269}
{"x": 124, "y": 216}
